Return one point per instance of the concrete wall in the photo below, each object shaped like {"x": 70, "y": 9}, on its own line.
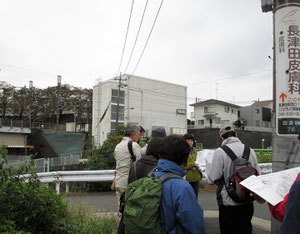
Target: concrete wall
{"x": 155, "y": 103}
{"x": 210, "y": 138}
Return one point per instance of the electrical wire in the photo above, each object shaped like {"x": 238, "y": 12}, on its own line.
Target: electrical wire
{"x": 137, "y": 35}
{"x": 129, "y": 20}
{"x": 148, "y": 37}
{"x": 230, "y": 77}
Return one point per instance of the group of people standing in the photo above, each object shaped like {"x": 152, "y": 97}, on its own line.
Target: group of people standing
{"x": 180, "y": 211}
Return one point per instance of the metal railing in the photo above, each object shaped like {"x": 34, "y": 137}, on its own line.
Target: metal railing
{"x": 58, "y": 177}
{"x": 49, "y": 127}
{"x": 67, "y": 177}
{"x": 14, "y": 123}
{"x": 45, "y": 164}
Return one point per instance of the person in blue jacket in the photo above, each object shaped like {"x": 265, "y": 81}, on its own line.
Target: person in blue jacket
{"x": 179, "y": 210}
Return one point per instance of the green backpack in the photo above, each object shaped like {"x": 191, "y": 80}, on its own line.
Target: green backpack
{"x": 142, "y": 202}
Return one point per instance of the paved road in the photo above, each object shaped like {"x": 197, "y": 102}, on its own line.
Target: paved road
{"x": 106, "y": 201}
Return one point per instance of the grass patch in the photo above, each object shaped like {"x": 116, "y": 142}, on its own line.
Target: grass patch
{"x": 82, "y": 221}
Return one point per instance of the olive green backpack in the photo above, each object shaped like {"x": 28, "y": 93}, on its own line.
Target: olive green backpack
{"x": 142, "y": 202}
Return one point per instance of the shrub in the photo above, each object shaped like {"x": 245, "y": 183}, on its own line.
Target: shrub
{"x": 29, "y": 206}
{"x": 264, "y": 157}
{"x": 102, "y": 158}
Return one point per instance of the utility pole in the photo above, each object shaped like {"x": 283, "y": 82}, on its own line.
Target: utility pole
{"x": 58, "y": 101}
{"x": 120, "y": 85}
{"x": 30, "y": 100}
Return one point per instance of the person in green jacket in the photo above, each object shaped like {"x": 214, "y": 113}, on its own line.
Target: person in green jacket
{"x": 193, "y": 173}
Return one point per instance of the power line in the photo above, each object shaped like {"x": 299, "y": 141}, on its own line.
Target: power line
{"x": 26, "y": 69}
{"x": 230, "y": 77}
{"x": 148, "y": 37}
{"x": 132, "y": 4}
{"x": 137, "y": 35}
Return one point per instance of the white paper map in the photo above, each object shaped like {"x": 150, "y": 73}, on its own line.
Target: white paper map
{"x": 204, "y": 158}
{"x": 272, "y": 187}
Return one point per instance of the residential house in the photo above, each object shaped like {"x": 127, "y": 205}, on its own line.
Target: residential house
{"x": 214, "y": 113}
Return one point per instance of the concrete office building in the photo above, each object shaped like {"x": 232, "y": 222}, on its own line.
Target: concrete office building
{"x": 257, "y": 117}
{"x": 145, "y": 102}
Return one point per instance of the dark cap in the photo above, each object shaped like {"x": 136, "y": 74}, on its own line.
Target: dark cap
{"x": 158, "y": 132}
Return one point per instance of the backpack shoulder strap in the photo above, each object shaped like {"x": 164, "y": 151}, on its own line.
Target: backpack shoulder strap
{"x": 229, "y": 152}
{"x": 246, "y": 152}
{"x": 168, "y": 176}
{"x": 134, "y": 170}
{"x": 129, "y": 145}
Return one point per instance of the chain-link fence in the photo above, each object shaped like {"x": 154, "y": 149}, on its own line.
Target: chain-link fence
{"x": 49, "y": 127}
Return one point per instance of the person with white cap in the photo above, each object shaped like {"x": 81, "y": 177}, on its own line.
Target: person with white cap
{"x": 234, "y": 217}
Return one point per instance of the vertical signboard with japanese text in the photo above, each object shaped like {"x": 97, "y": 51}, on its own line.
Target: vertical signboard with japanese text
{"x": 287, "y": 46}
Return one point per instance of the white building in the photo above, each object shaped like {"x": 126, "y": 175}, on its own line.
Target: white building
{"x": 145, "y": 102}
{"x": 214, "y": 114}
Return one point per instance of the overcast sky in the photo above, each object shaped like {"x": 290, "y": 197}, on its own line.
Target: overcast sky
{"x": 218, "y": 49}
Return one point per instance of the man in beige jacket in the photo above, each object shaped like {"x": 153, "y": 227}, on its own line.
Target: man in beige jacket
{"x": 124, "y": 158}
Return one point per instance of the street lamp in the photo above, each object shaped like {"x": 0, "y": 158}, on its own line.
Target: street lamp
{"x": 128, "y": 108}
{"x": 262, "y": 143}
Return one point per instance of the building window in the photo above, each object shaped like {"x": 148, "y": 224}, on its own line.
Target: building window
{"x": 114, "y": 112}
{"x": 201, "y": 122}
{"x": 114, "y": 96}
{"x": 113, "y": 125}
{"x": 256, "y": 111}
{"x": 224, "y": 122}
{"x": 233, "y": 111}
{"x": 209, "y": 109}
{"x": 218, "y": 120}
{"x": 226, "y": 108}
{"x": 257, "y": 123}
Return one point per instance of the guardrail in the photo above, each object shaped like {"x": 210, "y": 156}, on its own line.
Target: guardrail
{"x": 74, "y": 176}
{"x": 97, "y": 176}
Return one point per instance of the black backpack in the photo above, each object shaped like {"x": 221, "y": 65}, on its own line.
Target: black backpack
{"x": 240, "y": 169}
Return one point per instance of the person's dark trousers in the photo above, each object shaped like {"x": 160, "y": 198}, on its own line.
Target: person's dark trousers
{"x": 236, "y": 219}
{"x": 195, "y": 186}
